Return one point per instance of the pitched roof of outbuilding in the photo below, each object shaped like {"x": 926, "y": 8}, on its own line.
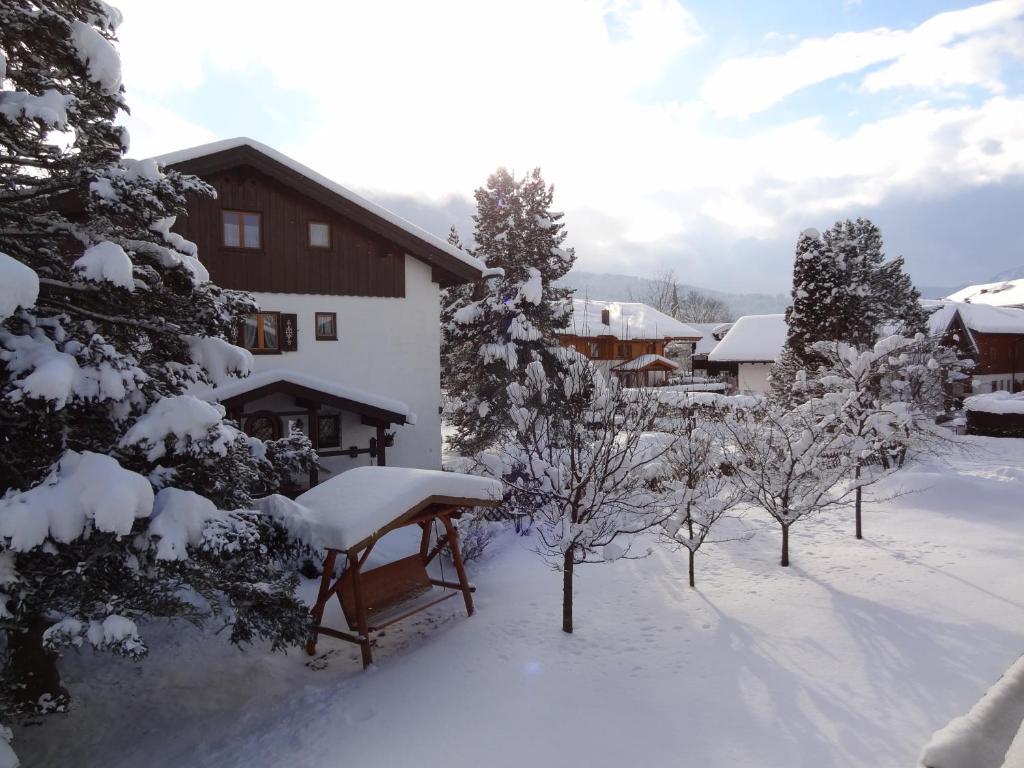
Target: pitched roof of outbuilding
{"x": 455, "y": 265}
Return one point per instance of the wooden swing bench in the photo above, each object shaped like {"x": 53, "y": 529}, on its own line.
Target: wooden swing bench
{"x": 379, "y": 501}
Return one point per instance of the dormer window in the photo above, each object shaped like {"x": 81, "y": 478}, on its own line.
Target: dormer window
{"x": 319, "y": 234}
{"x": 241, "y": 229}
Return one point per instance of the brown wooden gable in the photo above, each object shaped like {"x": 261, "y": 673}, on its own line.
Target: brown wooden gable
{"x": 366, "y": 254}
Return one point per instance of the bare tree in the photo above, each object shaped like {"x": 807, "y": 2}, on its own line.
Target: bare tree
{"x": 580, "y": 475}
{"x": 666, "y": 295}
{"x": 697, "y": 307}
{"x": 663, "y": 293}
{"x": 699, "y": 479}
{"x": 789, "y": 463}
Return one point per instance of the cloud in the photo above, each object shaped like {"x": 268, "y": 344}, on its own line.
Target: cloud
{"x": 424, "y": 109}
{"x": 922, "y": 56}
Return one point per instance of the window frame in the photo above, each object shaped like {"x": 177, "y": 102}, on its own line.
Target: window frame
{"x": 316, "y": 326}
{"x": 309, "y": 235}
{"x": 241, "y": 230}
{"x": 334, "y": 418}
{"x": 275, "y": 422}
{"x": 259, "y": 334}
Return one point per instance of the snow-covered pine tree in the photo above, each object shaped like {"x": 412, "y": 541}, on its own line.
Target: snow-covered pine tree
{"x": 121, "y": 496}
{"x": 813, "y": 314}
{"x": 844, "y": 291}
{"x": 510, "y": 320}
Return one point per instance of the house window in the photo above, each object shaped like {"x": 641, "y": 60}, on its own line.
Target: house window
{"x": 319, "y": 234}
{"x": 241, "y": 229}
{"x": 329, "y": 431}
{"x": 262, "y": 332}
{"x": 595, "y": 350}
{"x": 326, "y": 326}
{"x": 623, "y": 350}
{"x": 263, "y": 426}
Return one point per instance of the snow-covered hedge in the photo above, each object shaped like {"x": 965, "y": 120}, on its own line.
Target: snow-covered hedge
{"x": 990, "y": 735}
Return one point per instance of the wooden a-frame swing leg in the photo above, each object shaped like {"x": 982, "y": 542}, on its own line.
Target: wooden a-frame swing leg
{"x": 323, "y": 595}
{"x": 361, "y": 622}
{"x": 460, "y": 569}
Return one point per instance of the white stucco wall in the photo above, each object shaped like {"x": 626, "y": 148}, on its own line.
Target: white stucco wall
{"x": 387, "y": 346}
{"x": 753, "y": 378}
{"x": 983, "y": 383}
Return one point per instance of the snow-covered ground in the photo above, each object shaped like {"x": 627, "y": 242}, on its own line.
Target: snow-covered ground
{"x": 851, "y": 657}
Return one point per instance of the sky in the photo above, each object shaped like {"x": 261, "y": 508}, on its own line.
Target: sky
{"x": 700, "y": 136}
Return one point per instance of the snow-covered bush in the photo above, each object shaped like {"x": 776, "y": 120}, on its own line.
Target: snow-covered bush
{"x": 476, "y": 533}
{"x": 121, "y": 497}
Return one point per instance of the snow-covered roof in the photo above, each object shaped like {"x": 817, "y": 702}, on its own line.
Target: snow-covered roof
{"x": 981, "y": 318}
{"x": 996, "y": 402}
{"x": 709, "y": 340}
{"x": 627, "y": 320}
{"x": 346, "y": 510}
{"x": 236, "y": 387}
{"x": 752, "y": 339}
{"x": 643, "y": 361}
{"x": 1006, "y": 293}
{"x": 204, "y": 150}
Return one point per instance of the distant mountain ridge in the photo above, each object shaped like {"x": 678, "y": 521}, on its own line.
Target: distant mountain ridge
{"x": 614, "y": 287}
{"x": 607, "y": 286}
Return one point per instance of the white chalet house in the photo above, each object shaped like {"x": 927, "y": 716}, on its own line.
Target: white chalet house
{"x": 347, "y": 340}
{"x": 752, "y": 344}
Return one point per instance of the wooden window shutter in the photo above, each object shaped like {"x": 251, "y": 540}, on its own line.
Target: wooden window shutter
{"x": 289, "y": 332}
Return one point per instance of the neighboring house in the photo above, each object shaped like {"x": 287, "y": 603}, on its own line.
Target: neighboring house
{"x": 1007, "y": 293}
{"x": 347, "y": 339}
{"x": 991, "y": 336}
{"x": 711, "y": 334}
{"x": 752, "y": 344}
{"x": 628, "y": 340}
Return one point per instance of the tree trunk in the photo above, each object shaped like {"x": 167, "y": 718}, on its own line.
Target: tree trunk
{"x": 567, "y": 566}
{"x": 785, "y": 545}
{"x": 38, "y": 687}
{"x": 859, "y": 534}
{"x": 857, "y": 504}
{"x": 689, "y": 525}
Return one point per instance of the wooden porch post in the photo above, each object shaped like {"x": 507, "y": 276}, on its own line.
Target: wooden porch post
{"x": 453, "y": 541}
{"x": 312, "y": 416}
{"x": 381, "y": 447}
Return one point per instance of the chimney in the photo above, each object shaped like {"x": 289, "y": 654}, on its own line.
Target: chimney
{"x": 606, "y": 316}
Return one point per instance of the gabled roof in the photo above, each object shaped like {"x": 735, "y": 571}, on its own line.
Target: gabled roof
{"x": 452, "y": 264}
{"x": 274, "y": 380}
{"x": 627, "y": 320}
{"x": 752, "y": 339}
{"x": 1006, "y": 293}
{"x": 978, "y": 318}
{"x": 647, "y": 362}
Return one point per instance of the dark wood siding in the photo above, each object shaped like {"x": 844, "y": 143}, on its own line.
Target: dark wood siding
{"x": 610, "y": 348}
{"x": 358, "y": 263}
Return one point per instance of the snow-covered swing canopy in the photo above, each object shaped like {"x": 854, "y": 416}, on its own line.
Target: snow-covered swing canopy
{"x": 347, "y": 515}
